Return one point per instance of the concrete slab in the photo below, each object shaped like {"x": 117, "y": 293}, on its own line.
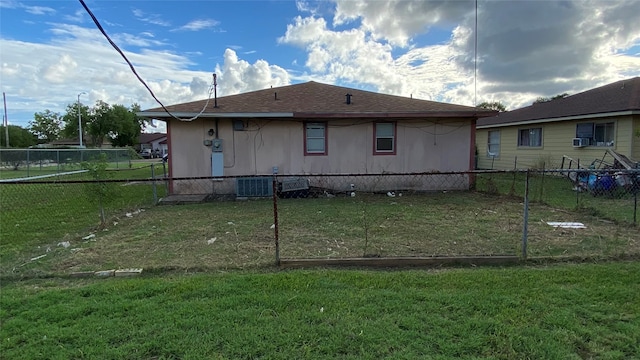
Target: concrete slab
{"x": 183, "y": 199}
{"x": 128, "y": 272}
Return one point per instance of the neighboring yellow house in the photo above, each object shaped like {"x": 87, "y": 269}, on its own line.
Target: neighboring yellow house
{"x": 582, "y": 127}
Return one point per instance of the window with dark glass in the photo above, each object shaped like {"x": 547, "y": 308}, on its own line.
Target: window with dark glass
{"x": 530, "y": 137}
{"x": 385, "y": 138}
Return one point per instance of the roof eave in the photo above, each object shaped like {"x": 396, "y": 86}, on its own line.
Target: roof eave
{"x": 161, "y": 115}
{"x": 564, "y": 118}
{"x": 387, "y": 115}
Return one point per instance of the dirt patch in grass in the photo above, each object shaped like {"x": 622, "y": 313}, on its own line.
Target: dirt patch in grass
{"x": 240, "y": 234}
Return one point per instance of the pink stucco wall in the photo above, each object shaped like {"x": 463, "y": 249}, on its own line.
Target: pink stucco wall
{"x": 421, "y": 146}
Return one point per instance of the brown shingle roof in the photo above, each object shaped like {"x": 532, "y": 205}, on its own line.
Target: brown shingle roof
{"x": 146, "y": 138}
{"x": 619, "y": 96}
{"x": 321, "y": 100}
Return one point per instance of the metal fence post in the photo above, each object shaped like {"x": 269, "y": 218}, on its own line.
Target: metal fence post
{"x": 275, "y": 217}
{"x": 635, "y": 208}
{"x": 578, "y": 188}
{"x": 28, "y": 163}
{"x": 526, "y": 216}
{"x": 164, "y": 175}
{"x": 153, "y": 185}
{"x": 542, "y": 183}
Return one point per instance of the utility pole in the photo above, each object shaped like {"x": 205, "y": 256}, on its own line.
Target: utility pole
{"x": 6, "y": 119}
{"x": 80, "y": 119}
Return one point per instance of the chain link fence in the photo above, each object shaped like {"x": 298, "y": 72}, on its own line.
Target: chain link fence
{"x": 235, "y": 222}
{"x": 19, "y": 163}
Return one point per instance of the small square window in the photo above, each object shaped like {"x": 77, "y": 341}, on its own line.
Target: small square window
{"x": 385, "y": 139}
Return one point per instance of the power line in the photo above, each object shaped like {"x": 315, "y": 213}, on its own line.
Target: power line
{"x": 475, "y": 62}
{"x": 133, "y": 69}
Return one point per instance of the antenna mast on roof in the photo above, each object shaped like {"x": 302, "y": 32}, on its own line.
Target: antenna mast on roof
{"x": 215, "y": 91}
{"x": 475, "y": 61}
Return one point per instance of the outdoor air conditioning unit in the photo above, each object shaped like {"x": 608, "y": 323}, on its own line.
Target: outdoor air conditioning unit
{"x": 254, "y": 187}
{"x": 580, "y": 142}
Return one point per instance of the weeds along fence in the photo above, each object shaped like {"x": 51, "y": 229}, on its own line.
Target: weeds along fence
{"x": 43, "y": 162}
{"x": 252, "y": 220}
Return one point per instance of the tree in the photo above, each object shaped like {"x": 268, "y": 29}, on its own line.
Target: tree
{"x": 546, "y": 99}
{"x": 101, "y": 191}
{"x": 494, "y": 105}
{"x": 126, "y": 125}
{"x": 70, "y": 120}
{"x": 104, "y": 122}
{"x": 46, "y": 125}
{"x": 18, "y": 137}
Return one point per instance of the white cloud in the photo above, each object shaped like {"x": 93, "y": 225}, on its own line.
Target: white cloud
{"x": 197, "y": 25}
{"x": 236, "y": 76}
{"x": 80, "y": 60}
{"x": 39, "y": 10}
{"x": 77, "y": 17}
{"x": 397, "y": 21}
{"x": 58, "y": 72}
{"x": 34, "y": 10}
{"x": 526, "y": 49}
{"x": 153, "y": 19}
{"x": 351, "y": 57}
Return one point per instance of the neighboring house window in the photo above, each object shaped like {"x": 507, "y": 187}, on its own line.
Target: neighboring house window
{"x": 597, "y": 134}
{"x": 385, "y": 138}
{"x": 493, "y": 143}
{"x": 315, "y": 139}
{"x": 530, "y": 137}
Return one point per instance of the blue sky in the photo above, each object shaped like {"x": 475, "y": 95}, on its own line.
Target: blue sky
{"x": 50, "y": 51}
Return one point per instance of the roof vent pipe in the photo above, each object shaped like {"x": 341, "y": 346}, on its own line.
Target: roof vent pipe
{"x": 348, "y": 98}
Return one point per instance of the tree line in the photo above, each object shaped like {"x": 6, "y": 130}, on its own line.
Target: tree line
{"x": 101, "y": 124}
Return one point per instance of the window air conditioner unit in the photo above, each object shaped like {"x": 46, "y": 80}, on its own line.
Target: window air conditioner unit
{"x": 580, "y": 142}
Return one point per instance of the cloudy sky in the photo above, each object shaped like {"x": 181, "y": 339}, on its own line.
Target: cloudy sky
{"x": 51, "y": 51}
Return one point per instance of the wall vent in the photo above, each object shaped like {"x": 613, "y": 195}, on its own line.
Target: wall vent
{"x": 254, "y": 187}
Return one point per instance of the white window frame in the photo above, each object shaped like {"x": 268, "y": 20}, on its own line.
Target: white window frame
{"x": 377, "y": 136}
{"x": 493, "y": 143}
{"x": 312, "y": 138}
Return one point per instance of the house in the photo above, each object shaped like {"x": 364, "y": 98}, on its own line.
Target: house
{"x": 313, "y": 128}
{"x": 156, "y": 142}
{"x": 75, "y": 143}
{"x": 581, "y": 127}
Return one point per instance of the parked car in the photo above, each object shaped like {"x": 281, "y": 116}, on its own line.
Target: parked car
{"x": 146, "y": 153}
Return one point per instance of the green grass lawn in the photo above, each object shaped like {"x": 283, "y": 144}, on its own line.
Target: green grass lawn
{"x": 225, "y": 235}
{"x": 50, "y": 221}
{"x": 569, "y": 311}
{"x": 48, "y": 213}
